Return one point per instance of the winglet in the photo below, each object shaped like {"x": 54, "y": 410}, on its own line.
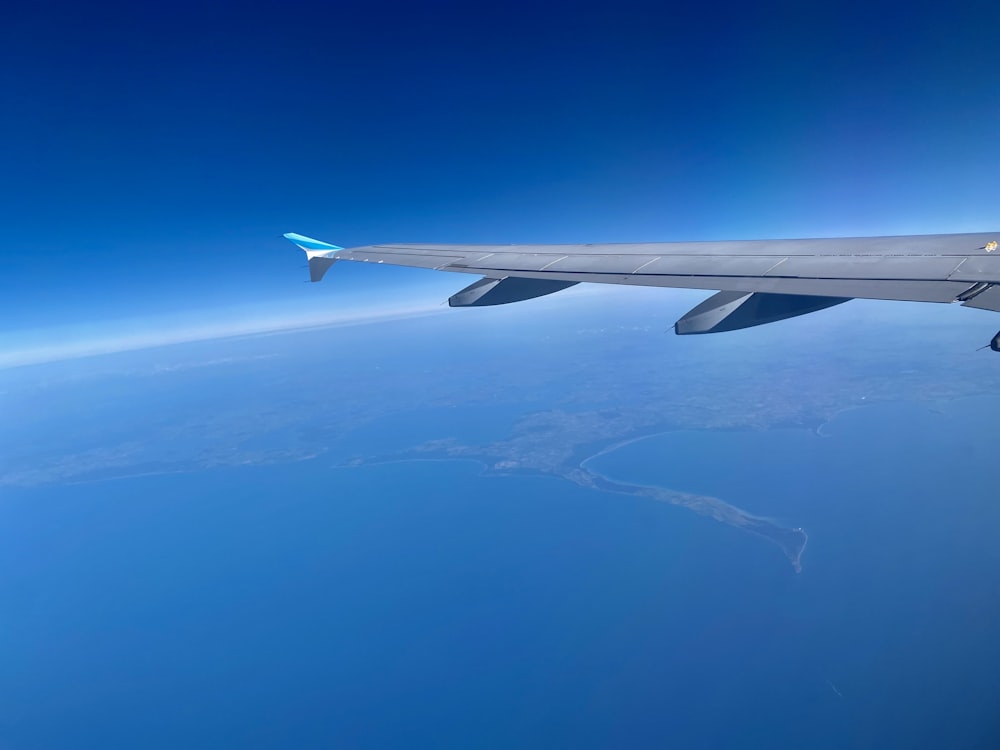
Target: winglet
{"x": 313, "y": 248}
{"x": 321, "y": 255}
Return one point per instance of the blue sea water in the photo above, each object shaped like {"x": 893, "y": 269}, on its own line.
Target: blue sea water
{"x": 423, "y": 605}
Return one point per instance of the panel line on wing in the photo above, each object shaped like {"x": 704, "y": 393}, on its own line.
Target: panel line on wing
{"x": 768, "y": 271}
{"x": 651, "y": 260}
{"x": 564, "y": 257}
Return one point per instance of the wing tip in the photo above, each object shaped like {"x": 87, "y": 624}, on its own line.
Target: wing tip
{"x": 313, "y": 248}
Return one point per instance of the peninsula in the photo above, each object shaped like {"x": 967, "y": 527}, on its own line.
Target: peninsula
{"x": 518, "y": 456}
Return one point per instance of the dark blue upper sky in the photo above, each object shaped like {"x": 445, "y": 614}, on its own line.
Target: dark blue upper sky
{"x": 153, "y": 154}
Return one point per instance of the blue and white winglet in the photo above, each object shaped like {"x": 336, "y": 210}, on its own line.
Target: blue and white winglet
{"x": 321, "y": 255}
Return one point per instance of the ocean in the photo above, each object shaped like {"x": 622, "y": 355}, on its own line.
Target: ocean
{"x": 424, "y": 605}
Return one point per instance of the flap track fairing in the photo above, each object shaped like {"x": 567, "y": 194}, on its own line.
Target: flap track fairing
{"x": 489, "y": 291}
{"x": 731, "y": 311}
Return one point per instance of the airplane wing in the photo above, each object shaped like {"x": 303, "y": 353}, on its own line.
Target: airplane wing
{"x": 760, "y": 281}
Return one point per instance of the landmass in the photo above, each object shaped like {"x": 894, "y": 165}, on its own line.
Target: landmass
{"x": 792, "y": 541}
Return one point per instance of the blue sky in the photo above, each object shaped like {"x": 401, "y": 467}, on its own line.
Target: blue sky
{"x": 153, "y": 154}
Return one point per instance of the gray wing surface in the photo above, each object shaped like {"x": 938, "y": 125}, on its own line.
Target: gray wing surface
{"x": 760, "y": 280}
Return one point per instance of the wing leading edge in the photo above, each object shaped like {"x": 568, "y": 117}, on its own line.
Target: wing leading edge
{"x": 761, "y": 281}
